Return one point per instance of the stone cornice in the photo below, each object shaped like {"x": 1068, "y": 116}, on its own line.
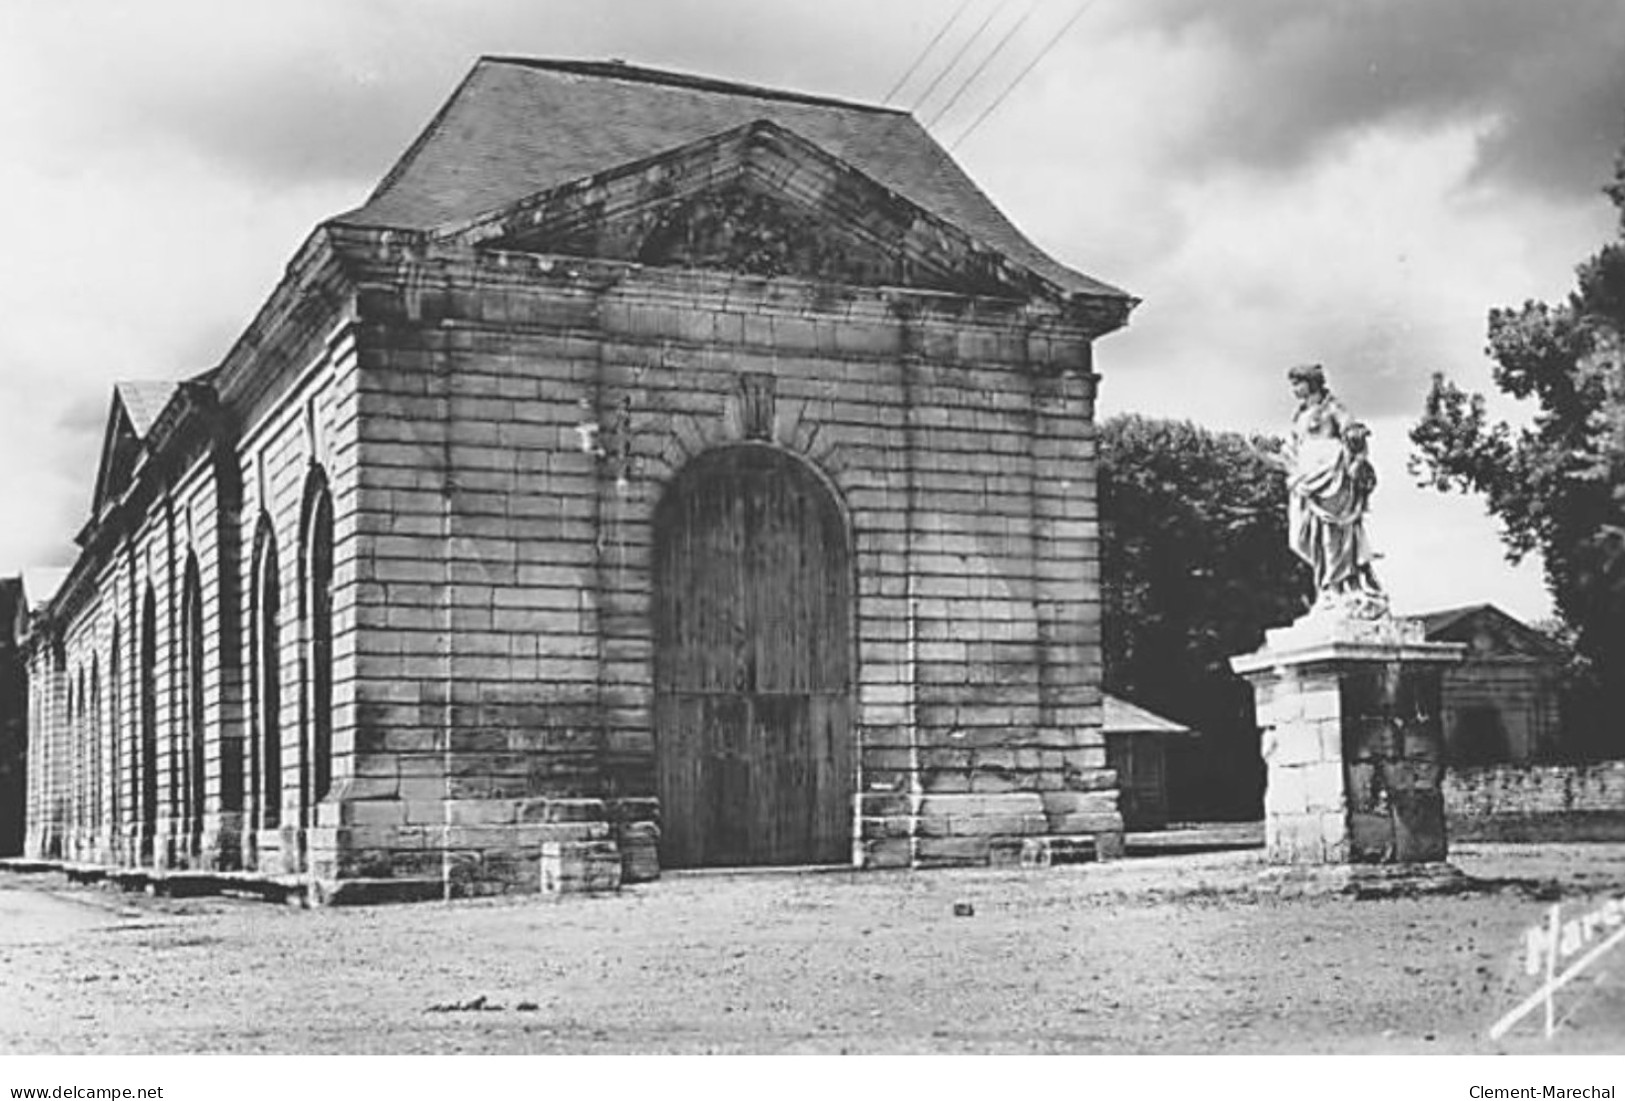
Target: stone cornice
{"x": 1340, "y": 652}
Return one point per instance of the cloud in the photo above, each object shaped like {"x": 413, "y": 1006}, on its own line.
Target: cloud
{"x": 1300, "y": 79}
{"x": 250, "y": 95}
{"x": 311, "y": 92}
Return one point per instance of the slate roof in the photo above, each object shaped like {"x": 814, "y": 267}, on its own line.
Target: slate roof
{"x": 143, "y": 401}
{"x": 1121, "y": 717}
{"x": 1445, "y": 618}
{"x": 1441, "y": 626}
{"x": 516, "y": 126}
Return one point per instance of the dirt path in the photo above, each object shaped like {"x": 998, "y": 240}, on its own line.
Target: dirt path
{"x": 1173, "y": 954}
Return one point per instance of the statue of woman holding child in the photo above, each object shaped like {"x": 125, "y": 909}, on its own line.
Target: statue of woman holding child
{"x": 1329, "y": 484}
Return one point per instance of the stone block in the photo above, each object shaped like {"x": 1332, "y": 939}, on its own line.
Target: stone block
{"x": 1106, "y": 822}
{"x": 1055, "y": 738}
{"x": 1293, "y": 839}
{"x": 1079, "y": 802}
{"x": 1285, "y": 792}
{"x": 978, "y": 805}
{"x": 1323, "y": 786}
{"x": 883, "y": 804}
{"x": 639, "y": 844}
{"x": 992, "y": 782}
{"x": 575, "y": 810}
{"x": 892, "y": 852}
{"x": 643, "y": 809}
{"x": 874, "y": 829}
{"x": 1297, "y": 743}
{"x": 371, "y": 787}
{"x": 1320, "y": 702}
{"x": 1370, "y": 836}
{"x": 425, "y": 812}
{"x": 1334, "y": 837}
{"x": 1045, "y": 852}
{"x": 1091, "y": 779}
{"x": 943, "y": 781}
{"x": 572, "y": 831}
{"x": 1419, "y": 826}
{"x": 991, "y": 825}
{"x": 481, "y": 812}
{"x": 1287, "y": 707}
{"x": 572, "y": 867}
{"x": 1005, "y": 852}
{"x": 952, "y": 851}
{"x": 381, "y": 812}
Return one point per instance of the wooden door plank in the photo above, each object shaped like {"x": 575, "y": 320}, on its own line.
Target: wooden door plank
{"x": 752, "y": 657}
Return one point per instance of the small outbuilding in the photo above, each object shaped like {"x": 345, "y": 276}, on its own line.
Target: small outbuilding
{"x": 1137, "y": 748}
{"x": 1501, "y": 703}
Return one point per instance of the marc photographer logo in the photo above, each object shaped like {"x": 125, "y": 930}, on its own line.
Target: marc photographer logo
{"x": 1555, "y": 953}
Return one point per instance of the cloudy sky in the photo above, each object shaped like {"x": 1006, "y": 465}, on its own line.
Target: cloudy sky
{"x": 1352, "y": 181}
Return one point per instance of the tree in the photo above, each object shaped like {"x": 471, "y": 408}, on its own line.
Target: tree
{"x": 1558, "y": 485}
{"x": 1195, "y": 565}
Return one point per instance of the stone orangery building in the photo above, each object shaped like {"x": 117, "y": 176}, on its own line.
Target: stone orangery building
{"x": 653, "y": 468}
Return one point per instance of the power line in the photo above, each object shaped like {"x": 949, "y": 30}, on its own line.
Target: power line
{"x": 994, "y": 106}
{"x": 1008, "y": 35}
{"x": 929, "y": 46}
{"x": 955, "y": 60}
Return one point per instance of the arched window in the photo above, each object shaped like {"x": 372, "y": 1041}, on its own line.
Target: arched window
{"x": 192, "y": 626}
{"x": 148, "y": 690}
{"x": 267, "y": 682}
{"x": 85, "y": 733}
{"x": 96, "y": 779}
{"x": 316, "y": 612}
{"x": 115, "y": 709}
{"x": 76, "y": 750}
{"x": 59, "y": 747}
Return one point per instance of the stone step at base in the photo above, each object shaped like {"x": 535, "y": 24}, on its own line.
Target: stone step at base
{"x": 84, "y": 873}
{"x": 1195, "y": 838}
{"x": 1058, "y": 850}
{"x": 1371, "y": 881}
{"x": 368, "y": 892}
{"x": 24, "y": 866}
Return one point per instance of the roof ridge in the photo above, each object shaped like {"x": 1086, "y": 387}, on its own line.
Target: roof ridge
{"x": 516, "y": 125}
{"x": 616, "y": 69}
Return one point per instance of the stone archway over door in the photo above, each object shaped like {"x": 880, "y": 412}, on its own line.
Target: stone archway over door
{"x": 753, "y": 669}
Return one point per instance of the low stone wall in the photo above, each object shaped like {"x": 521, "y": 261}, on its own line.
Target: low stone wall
{"x": 1536, "y": 802}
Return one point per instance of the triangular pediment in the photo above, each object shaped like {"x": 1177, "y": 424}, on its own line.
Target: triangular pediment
{"x": 1490, "y": 632}
{"x": 129, "y": 416}
{"x": 120, "y": 448}
{"x": 757, "y": 200}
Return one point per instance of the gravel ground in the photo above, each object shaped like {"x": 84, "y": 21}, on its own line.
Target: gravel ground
{"x": 1180, "y": 954}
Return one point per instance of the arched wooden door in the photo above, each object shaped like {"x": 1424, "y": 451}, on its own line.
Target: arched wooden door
{"x": 752, "y": 610}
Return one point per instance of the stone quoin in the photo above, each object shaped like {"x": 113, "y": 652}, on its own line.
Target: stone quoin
{"x": 653, "y": 472}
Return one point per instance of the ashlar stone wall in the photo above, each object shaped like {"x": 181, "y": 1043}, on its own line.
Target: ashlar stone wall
{"x": 519, "y": 418}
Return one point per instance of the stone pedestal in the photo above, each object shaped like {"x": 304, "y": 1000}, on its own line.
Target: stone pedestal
{"x": 1349, "y": 708}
